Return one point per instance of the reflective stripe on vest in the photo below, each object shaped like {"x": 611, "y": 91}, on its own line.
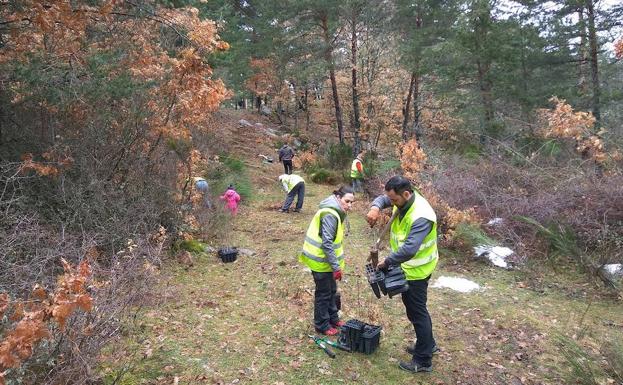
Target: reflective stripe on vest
{"x": 319, "y": 244}
{"x": 354, "y": 172}
{"x": 423, "y": 263}
{"x": 319, "y": 259}
{"x": 313, "y": 255}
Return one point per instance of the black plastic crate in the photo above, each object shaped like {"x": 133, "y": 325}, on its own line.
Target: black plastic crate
{"x": 354, "y": 330}
{"x": 357, "y": 336}
{"x": 395, "y": 281}
{"x": 371, "y": 338}
{"x": 228, "y": 254}
{"x": 376, "y": 280}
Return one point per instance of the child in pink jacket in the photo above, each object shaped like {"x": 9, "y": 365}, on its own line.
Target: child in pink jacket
{"x": 231, "y": 199}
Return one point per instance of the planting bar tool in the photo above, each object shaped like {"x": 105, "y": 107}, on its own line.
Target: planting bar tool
{"x": 321, "y": 343}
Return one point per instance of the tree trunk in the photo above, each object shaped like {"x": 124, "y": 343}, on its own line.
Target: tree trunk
{"x": 328, "y": 56}
{"x": 485, "y": 93}
{"x": 406, "y": 110}
{"x": 583, "y": 54}
{"x": 417, "y": 111}
{"x": 592, "y": 40}
{"x": 353, "y": 62}
{"x": 306, "y": 107}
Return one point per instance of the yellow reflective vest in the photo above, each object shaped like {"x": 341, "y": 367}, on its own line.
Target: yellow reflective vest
{"x": 354, "y": 172}
{"x": 312, "y": 255}
{"x": 289, "y": 181}
{"x": 423, "y": 263}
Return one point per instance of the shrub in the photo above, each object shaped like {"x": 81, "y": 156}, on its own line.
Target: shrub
{"x": 561, "y": 239}
{"x": 587, "y": 369}
{"x": 387, "y": 166}
{"x": 235, "y": 165}
{"x": 191, "y": 245}
{"x": 339, "y": 156}
{"x": 575, "y": 209}
{"x": 322, "y": 175}
{"x": 230, "y": 171}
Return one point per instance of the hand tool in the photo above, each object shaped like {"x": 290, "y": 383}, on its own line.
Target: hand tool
{"x": 321, "y": 343}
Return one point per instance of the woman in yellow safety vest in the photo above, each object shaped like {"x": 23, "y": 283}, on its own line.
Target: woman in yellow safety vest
{"x": 323, "y": 253}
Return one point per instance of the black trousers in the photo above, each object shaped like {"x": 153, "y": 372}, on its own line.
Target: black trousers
{"x": 325, "y": 310}
{"x": 287, "y": 166}
{"x": 415, "y": 303}
{"x": 299, "y": 191}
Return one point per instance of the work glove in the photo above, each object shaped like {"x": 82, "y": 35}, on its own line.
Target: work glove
{"x": 373, "y": 216}
{"x": 337, "y": 275}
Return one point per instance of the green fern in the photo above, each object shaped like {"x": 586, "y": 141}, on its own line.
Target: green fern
{"x": 561, "y": 239}
{"x": 472, "y": 235}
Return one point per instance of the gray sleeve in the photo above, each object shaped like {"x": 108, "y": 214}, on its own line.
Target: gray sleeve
{"x": 419, "y": 230}
{"x": 328, "y": 232}
{"x": 382, "y": 202}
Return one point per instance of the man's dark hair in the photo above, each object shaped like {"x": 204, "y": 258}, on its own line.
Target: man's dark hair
{"x": 399, "y": 184}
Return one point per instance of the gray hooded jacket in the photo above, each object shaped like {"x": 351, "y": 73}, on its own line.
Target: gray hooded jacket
{"x": 419, "y": 230}
{"x": 328, "y": 229}
{"x": 286, "y": 153}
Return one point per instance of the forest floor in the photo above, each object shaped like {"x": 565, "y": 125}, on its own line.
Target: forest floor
{"x": 248, "y": 322}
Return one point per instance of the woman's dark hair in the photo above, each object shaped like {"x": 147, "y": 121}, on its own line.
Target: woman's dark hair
{"x": 230, "y": 187}
{"x": 343, "y": 190}
{"x": 399, "y": 184}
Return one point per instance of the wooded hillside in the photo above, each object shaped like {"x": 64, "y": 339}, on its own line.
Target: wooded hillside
{"x": 508, "y": 110}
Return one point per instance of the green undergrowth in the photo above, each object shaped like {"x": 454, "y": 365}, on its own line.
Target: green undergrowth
{"x": 230, "y": 171}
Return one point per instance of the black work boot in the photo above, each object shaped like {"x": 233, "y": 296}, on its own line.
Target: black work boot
{"x": 414, "y": 367}
{"x": 411, "y": 349}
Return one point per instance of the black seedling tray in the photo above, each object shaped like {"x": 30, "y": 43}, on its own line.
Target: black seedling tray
{"x": 395, "y": 281}
{"x": 358, "y": 336}
{"x": 371, "y": 337}
{"x": 376, "y": 280}
{"x": 228, "y": 254}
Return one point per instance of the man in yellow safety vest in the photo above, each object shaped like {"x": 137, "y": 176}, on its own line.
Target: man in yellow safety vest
{"x": 413, "y": 241}
{"x": 294, "y": 185}
{"x": 356, "y": 173}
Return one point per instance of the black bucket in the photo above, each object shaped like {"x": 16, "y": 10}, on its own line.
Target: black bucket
{"x": 228, "y": 254}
